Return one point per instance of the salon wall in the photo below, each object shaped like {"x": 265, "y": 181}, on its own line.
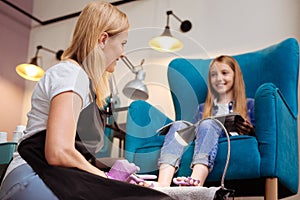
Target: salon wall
{"x": 219, "y": 27}
{"x": 14, "y": 44}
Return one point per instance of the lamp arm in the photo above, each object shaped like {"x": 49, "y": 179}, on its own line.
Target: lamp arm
{"x": 185, "y": 26}
{"x": 171, "y": 13}
{"x": 49, "y": 50}
{"x": 37, "y": 51}
{"x": 128, "y": 63}
{"x": 58, "y": 53}
{"x": 46, "y": 49}
{"x": 132, "y": 68}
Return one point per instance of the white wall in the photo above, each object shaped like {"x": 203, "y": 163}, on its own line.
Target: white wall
{"x": 219, "y": 27}
{"x": 14, "y": 40}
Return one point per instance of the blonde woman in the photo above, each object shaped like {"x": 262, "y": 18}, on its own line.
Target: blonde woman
{"x": 226, "y": 93}
{"x": 66, "y": 121}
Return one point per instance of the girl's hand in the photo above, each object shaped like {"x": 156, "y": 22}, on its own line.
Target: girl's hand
{"x": 245, "y": 127}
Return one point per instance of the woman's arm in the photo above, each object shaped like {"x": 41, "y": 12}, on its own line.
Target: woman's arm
{"x": 61, "y": 131}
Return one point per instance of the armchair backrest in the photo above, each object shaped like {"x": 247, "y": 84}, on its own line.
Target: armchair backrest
{"x": 278, "y": 64}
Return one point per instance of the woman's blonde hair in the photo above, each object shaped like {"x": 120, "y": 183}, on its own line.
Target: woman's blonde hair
{"x": 239, "y": 94}
{"x": 96, "y": 18}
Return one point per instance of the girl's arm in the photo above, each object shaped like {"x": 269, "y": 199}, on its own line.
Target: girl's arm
{"x": 61, "y": 131}
{"x": 198, "y": 114}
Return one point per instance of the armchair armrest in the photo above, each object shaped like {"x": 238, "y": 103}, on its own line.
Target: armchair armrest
{"x": 277, "y": 135}
{"x": 143, "y": 120}
{"x": 6, "y": 151}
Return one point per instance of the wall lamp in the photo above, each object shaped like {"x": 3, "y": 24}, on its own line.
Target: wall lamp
{"x": 166, "y": 42}
{"x": 135, "y": 89}
{"x": 32, "y": 71}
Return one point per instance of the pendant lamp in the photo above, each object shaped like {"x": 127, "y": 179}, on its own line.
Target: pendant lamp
{"x": 32, "y": 71}
{"x": 166, "y": 42}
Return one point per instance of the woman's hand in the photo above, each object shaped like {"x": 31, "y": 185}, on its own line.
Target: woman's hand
{"x": 244, "y": 127}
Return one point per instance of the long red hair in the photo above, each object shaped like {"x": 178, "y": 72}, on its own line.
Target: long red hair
{"x": 239, "y": 94}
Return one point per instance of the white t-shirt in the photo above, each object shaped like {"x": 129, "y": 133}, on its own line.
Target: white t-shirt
{"x": 222, "y": 109}
{"x": 62, "y": 77}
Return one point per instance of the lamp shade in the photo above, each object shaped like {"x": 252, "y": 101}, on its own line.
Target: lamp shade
{"x": 166, "y": 42}
{"x": 186, "y": 135}
{"x": 136, "y": 89}
{"x": 30, "y": 71}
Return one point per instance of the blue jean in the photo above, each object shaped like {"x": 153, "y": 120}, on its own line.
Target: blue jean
{"x": 24, "y": 184}
{"x": 207, "y": 135}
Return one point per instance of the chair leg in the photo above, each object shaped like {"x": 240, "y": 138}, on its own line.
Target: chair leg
{"x": 271, "y": 189}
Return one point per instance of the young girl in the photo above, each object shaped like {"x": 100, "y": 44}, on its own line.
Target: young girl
{"x": 226, "y": 93}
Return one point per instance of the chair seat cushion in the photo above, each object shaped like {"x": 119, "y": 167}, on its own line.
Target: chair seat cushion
{"x": 244, "y": 160}
{"x": 244, "y": 152}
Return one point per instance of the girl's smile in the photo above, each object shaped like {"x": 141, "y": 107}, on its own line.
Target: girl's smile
{"x": 222, "y": 80}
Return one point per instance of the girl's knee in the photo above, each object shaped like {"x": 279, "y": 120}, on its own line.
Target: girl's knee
{"x": 178, "y": 125}
{"x": 209, "y": 125}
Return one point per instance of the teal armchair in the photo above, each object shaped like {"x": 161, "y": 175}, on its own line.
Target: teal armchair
{"x": 106, "y": 150}
{"x": 265, "y": 165}
{"x": 6, "y": 152}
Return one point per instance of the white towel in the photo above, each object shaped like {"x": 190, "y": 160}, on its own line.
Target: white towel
{"x": 189, "y": 193}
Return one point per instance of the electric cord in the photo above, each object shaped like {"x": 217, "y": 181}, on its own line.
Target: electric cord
{"x": 228, "y": 151}
{"x": 224, "y": 192}
{"x": 185, "y": 138}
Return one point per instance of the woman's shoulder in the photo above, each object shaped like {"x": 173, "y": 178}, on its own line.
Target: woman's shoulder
{"x": 66, "y": 73}
{"x": 65, "y": 68}
{"x": 64, "y": 76}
